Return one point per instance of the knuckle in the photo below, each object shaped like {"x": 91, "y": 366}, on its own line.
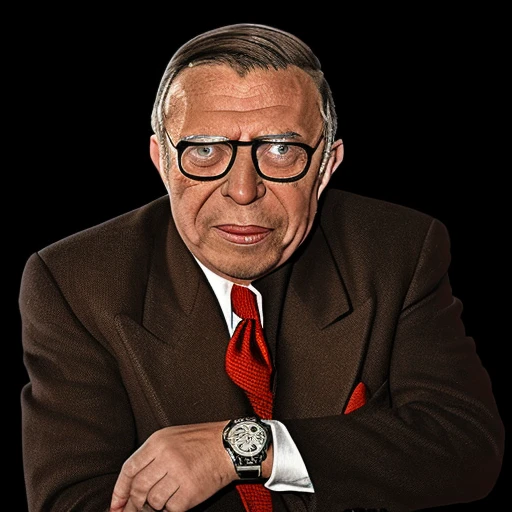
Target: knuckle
{"x": 129, "y": 468}
{"x": 141, "y": 484}
{"x": 177, "y": 502}
{"x": 158, "y": 499}
{"x": 158, "y": 503}
{"x": 138, "y": 500}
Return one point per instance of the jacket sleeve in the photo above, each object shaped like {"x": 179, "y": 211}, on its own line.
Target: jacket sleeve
{"x": 77, "y": 425}
{"x": 431, "y": 435}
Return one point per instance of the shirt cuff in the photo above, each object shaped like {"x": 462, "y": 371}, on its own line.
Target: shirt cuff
{"x": 289, "y": 472}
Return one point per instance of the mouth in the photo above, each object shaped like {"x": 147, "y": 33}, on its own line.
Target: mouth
{"x": 242, "y": 235}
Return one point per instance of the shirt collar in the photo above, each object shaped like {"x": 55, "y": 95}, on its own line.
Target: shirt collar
{"x": 222, "y": 289}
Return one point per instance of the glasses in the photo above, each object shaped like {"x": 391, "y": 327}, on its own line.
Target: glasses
{"x": 206, "y": 158}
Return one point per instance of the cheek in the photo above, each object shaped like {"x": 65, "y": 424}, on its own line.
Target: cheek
{"x": 187, "y": 203}
{"x": 299, "y": 202}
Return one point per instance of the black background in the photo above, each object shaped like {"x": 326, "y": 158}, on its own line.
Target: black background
{"x": 420, "y": 99}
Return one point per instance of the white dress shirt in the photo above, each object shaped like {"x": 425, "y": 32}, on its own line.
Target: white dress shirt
{"x": 289, "y": 472}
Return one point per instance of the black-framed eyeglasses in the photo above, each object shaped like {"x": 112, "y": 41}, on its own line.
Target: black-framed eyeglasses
{"x": 207, "y": 158}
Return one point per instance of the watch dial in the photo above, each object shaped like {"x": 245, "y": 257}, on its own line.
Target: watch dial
{"x": 247, "y": 438}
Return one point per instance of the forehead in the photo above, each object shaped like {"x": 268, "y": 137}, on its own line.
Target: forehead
{"x": 216, "y": 100}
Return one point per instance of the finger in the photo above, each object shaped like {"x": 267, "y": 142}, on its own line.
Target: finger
{"x": 131, "y": 506}
{"x": 172, "y": 505}
{"x": 161, "y": 492}
{"x": 118, "y": 502}
{"x": 131, "y": 468}
{"x": 142, "y": 484}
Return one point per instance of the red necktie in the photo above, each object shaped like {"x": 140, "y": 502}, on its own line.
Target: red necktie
{"x": 249, "y": 366}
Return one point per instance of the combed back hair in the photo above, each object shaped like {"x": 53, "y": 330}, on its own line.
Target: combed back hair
{"x": 245, "y": 47}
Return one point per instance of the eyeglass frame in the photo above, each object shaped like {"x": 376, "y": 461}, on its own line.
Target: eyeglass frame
{"x": 255, "y": 143}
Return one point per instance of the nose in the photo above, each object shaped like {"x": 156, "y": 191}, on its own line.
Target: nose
{"x": 243, "y": 184}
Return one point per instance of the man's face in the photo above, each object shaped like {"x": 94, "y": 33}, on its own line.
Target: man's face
{"x": 242, "y": 226}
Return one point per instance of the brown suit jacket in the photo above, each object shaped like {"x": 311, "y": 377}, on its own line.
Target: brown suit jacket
{"x": 122, "y": 336}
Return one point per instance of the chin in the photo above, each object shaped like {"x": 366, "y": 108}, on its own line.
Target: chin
{"x": 248, "y": 270}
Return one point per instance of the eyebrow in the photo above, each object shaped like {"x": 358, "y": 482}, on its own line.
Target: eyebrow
{"x": 286, "y": 135}
{"x": 220, "y": 138}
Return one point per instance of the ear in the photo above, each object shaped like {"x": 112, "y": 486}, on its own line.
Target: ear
{"x": 154, "y": 151}
{"x": 332, "y": 164}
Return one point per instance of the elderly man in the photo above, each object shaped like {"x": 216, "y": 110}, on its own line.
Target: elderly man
{"x": 253, "y": 340}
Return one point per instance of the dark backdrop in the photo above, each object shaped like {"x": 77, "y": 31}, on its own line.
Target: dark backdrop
{"x": 418, "y": 97}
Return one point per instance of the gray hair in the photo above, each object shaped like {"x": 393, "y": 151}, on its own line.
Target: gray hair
{"x": 245, "y": 47}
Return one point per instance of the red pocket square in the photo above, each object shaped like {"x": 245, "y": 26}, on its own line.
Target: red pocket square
{"x": 357, "y": 399}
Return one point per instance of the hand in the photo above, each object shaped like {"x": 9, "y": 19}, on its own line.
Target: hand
{"x": 174, "y": 470}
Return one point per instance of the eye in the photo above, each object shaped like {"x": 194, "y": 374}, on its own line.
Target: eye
{"x": 206, "y": 159}
{"x": 206, "y": 154}
{"x": 279, "y": 149}
{"x": 204, "y": 151}
{"x": 280, "y": 154}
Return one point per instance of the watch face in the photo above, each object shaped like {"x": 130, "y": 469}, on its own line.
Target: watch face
{"x": 247, "y": 438}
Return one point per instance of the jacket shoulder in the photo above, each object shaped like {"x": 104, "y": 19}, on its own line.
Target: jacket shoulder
{"x": 372, "y": 221}
{"x": 381, "y": 241}
{"x": 128, "y": 233}
{"x": 102, "y": 268}
{"x": 345, "y": 205}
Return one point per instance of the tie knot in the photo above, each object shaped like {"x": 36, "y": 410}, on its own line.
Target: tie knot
{"x": 244, "y": 302}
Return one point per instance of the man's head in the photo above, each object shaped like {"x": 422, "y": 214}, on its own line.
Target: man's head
{"x": 244, "y": 209}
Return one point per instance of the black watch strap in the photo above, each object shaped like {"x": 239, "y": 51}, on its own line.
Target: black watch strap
{"x": 248, "y": 472}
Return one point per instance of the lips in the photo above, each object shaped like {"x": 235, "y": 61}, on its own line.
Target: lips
{"x": 243, "y": 235}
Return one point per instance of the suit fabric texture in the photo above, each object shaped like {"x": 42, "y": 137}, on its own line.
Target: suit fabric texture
{"x": 123, "y": 336}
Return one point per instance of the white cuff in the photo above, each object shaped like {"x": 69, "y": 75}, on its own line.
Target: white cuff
{"x": 289, "y": 472}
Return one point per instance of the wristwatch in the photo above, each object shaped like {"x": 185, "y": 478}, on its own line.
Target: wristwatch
{"x": 247, "y": 440}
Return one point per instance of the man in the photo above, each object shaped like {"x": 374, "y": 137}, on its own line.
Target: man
{"x": 360, "y": 389}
